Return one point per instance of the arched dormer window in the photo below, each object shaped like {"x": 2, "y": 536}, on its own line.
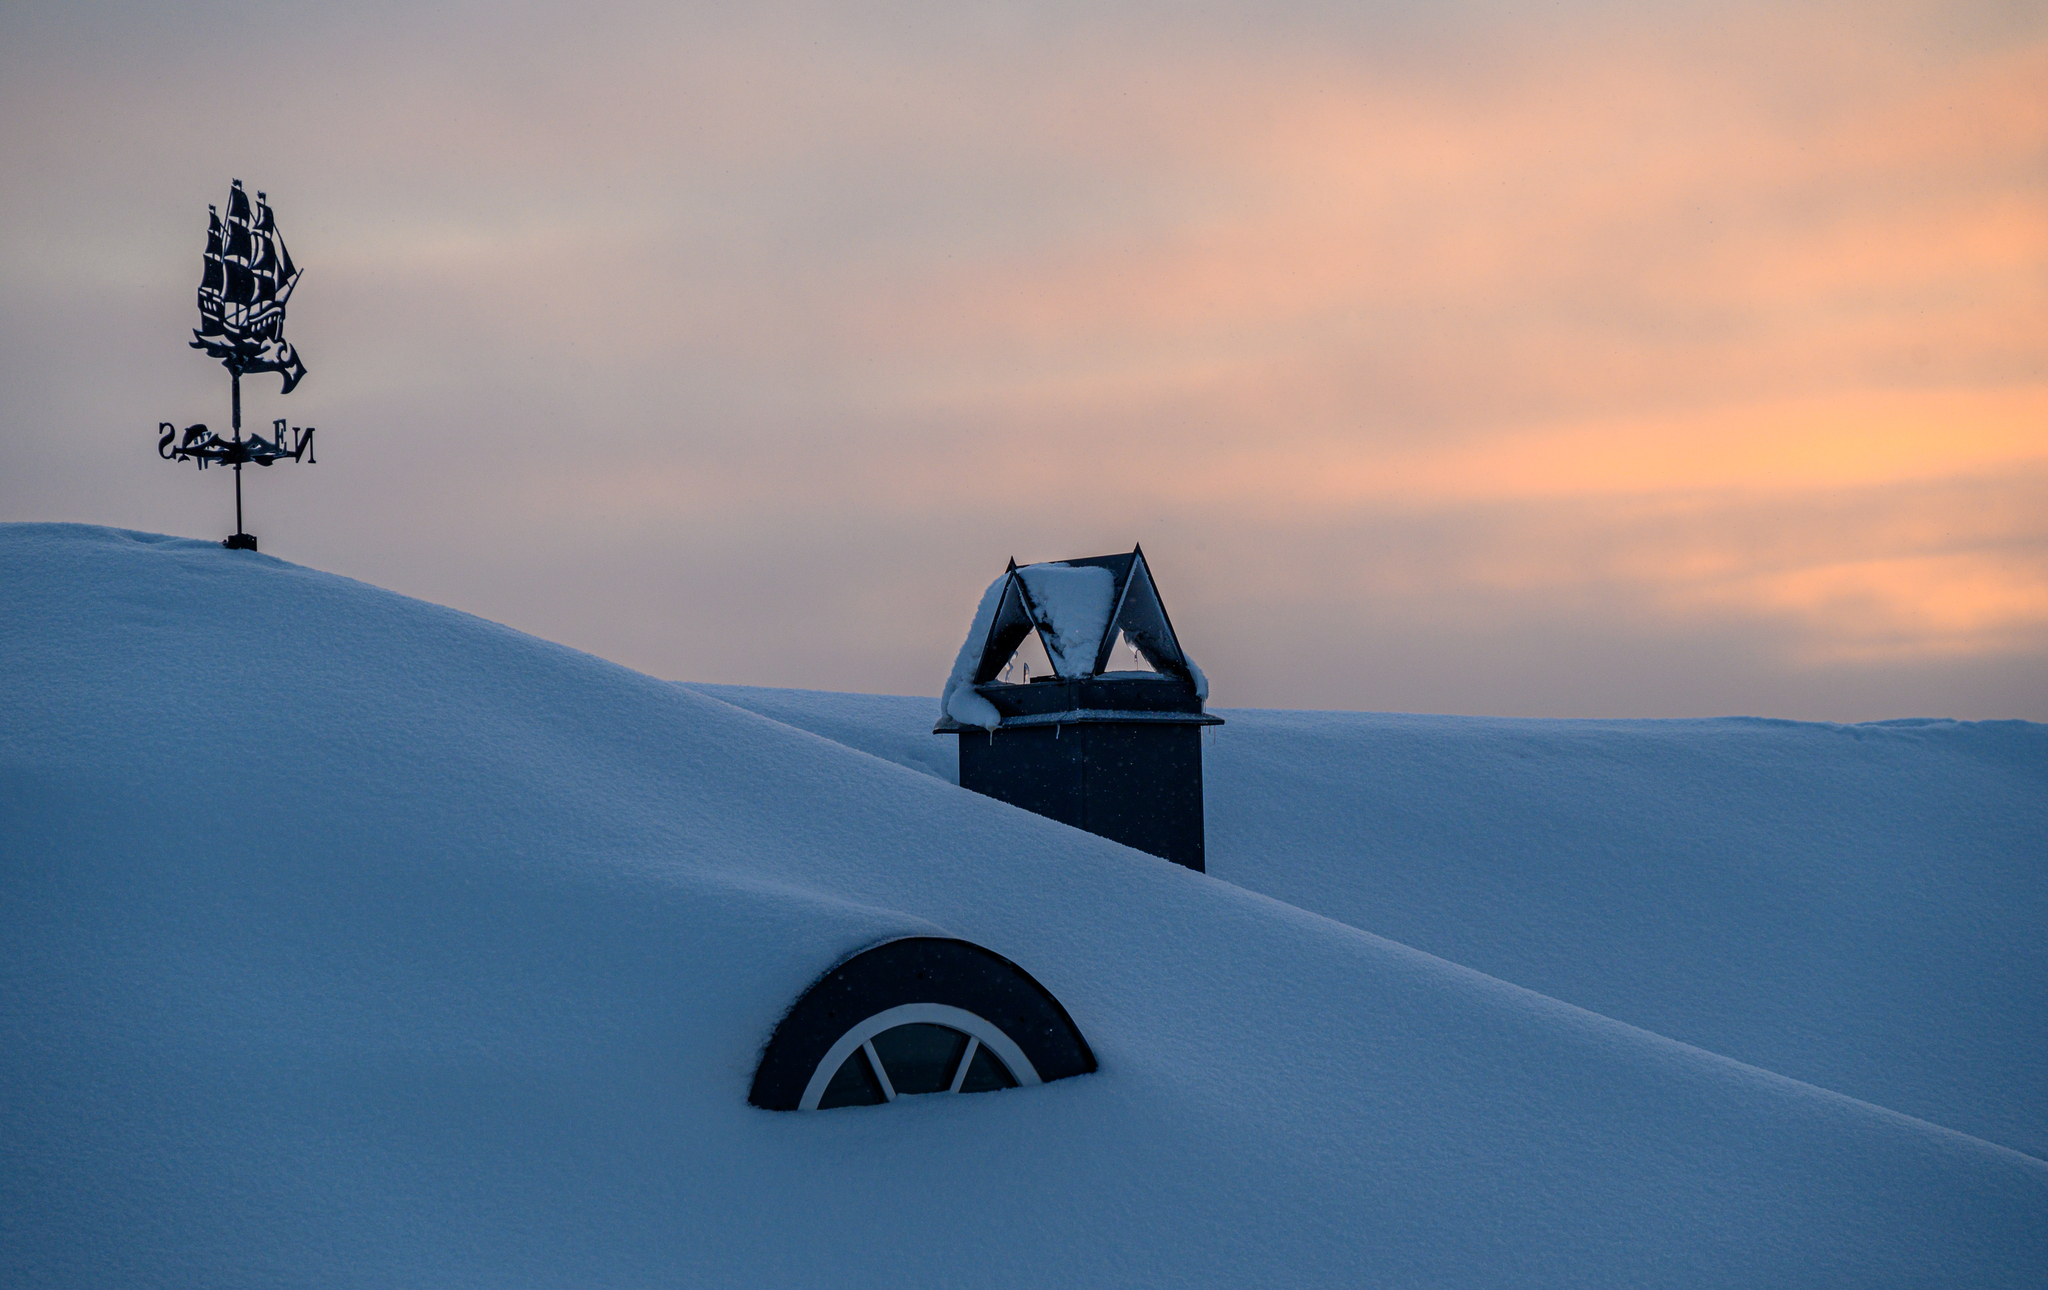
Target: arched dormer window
{"x": 914, "y": 1016}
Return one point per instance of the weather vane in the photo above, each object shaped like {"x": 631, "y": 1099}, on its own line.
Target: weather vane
{"x": 249, "y": 277}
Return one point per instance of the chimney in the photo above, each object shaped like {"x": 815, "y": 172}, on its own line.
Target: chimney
{"x": 1072, "y": 698}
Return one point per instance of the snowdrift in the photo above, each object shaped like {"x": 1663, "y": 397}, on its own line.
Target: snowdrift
{"x": 350, "y": 940}
{"x": 1860, "y": 907}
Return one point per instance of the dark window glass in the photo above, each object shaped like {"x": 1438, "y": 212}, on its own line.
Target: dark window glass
{"x": 854, "y": 1085}
{"x": 920, "y": 1058}
{"x": 985, "y": 1072}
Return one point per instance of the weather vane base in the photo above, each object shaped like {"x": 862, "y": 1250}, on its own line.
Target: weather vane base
{"x": 239, "y": 541}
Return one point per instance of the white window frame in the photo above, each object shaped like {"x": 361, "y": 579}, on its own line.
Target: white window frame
{"x": 979, "y": 1031}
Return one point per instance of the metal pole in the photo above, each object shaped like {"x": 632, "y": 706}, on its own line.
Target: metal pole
{"x": 237, "y": 376}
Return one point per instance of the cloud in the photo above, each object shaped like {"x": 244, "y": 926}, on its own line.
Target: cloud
{"x": 1446, "y": 330}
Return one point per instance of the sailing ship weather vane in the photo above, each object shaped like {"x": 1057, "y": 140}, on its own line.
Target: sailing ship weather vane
{"x": 249, "y": 276}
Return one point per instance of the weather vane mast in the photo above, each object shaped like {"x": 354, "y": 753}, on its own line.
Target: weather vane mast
{"x": 249, "y": 276}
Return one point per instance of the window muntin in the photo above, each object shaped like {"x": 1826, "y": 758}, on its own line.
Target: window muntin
{"x": 980, "y": 1072}
{"x": 929, "y": 1047}
{"x": 920, "y": 1057}
{"x": 854, "y": 1085}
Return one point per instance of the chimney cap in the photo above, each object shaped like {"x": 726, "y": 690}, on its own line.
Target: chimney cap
{"x": 1079, "y": 609}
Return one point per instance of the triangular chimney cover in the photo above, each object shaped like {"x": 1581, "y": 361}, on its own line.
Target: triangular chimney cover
{"x": 1141, "y": 619}
{"x": 1078, "y": 608}
{"x": 1013, "y": 621}
{"x": 1027, "y": 663}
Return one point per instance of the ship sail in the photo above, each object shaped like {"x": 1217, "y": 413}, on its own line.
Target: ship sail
{"x": 264, "y": 268}
{"x": 241, "y": 283}
{"x": 211, "y": 282}
{"x": 277, "y": 255}
{"x": 243, "y": 291}
{"x": 214, "y": 280}
{"x": 238, "y": 223}
{"x": 287, "y": 273}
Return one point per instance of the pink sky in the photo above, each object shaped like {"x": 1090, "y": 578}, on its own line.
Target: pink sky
{"x": 1463, "y": 359}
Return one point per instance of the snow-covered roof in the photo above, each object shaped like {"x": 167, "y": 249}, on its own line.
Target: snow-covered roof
{"x": 398, "y": 947}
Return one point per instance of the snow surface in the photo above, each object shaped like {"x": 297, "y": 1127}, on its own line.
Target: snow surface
{"x": 417, "y": 951}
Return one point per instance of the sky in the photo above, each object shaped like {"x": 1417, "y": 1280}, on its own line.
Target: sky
{"x": 1583, "y": 359}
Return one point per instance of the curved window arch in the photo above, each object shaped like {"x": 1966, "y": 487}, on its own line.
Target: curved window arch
{"x": 912, "y": 1016}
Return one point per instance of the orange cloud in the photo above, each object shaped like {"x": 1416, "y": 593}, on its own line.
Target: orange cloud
{"x": 1918, "y": 607}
